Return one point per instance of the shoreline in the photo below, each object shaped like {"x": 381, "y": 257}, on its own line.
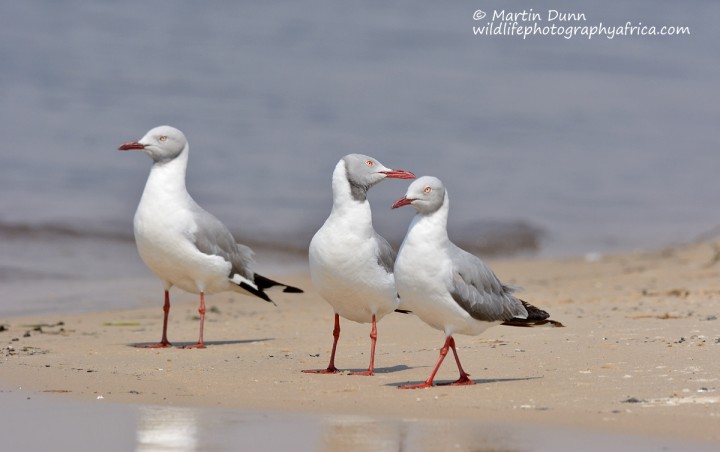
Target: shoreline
{"x": 637, "y": 355}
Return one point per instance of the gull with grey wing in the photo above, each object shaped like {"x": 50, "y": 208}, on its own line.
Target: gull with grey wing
{"x": 351, "y": 265}
{"x": 447, "y": 287}
{"x": 184, "y": 245}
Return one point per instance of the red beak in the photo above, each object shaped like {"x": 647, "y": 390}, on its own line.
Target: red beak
{"x": 131, "y": 145}
{"x": 402, "y": 202}
{"x": 399, "y": 174}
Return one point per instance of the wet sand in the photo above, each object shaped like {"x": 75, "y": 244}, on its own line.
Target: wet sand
{"x": 638, "y": 354}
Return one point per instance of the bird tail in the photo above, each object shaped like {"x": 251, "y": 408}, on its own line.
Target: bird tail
{"x": 264, "y": 283}
{"x": 259, "y": 284}
{"x": 250, "y": 287}
{"x": 536, "y": 317}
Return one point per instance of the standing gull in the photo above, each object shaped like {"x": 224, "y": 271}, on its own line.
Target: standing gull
{"x": 181, "y": 243}
{"x": 351, "y": 265}
{"x": 447, "y": 287}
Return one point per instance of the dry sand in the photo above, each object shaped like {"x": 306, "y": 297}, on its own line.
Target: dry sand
{"x": 639, "y": 354}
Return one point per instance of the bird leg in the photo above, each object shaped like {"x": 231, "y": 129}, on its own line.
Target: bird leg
{"x": 331, "y": 367}
{"x": 373, "y": 340}
{"x": 429, "y": 382}
{"x": 201, "y": 310}
{"x": 164, "y": 342}
{"x": 463, "y": 380}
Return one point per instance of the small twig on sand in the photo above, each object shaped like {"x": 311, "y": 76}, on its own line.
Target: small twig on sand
{"x": 665, "y": 316}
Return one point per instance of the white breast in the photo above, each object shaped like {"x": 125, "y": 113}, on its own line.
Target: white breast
{"x": 345, "y": 271}
{"x": 164, "y": 227}
{"x": 423, "y": 278}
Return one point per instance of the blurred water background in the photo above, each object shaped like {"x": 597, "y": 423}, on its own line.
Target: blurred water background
{"x": 548, "y": 146}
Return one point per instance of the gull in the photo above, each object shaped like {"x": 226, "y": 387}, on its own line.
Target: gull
{"x": 184, "y": 245}
{"x": 448, "y": 288}
{"x": 351, "y": 265}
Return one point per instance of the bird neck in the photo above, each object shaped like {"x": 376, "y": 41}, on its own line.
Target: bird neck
{"x": 344, "y": 193}
{"x": 167, "y": 178}
{"x": 430, "y": 227}
{"x": 347, "y": 204}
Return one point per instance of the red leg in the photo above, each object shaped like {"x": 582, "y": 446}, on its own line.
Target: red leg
{"x": 201, "y": 310}
{"x": 164, "y": 342}
{"x": 463, "y": 380}
{"x": 331, "y": 367}
{"x": 429, "y": 382}
{"x": 373, "y": 340}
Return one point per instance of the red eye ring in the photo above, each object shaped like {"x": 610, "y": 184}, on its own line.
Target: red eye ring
{"x": 370, "y": 163}
{"x": 427, "y": 189}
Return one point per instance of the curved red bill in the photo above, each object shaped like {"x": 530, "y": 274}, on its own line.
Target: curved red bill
{"x": 130, "y": 145}
{"x": 399, "y": 174}
{"x": 402, "y": 202}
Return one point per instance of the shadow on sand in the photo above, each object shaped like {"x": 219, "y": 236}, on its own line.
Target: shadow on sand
{"x": 383, "y": 370}
{"x": 479, "y": 381}
{"x": 207, "y": 343}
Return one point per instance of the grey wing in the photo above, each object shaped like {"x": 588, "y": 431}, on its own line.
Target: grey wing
{"x": 479, "y": 292}
{"x": 213, "y": 238}
{"x": 386, "y": 253}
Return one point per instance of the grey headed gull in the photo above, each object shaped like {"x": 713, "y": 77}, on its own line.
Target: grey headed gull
{"x": 184, "y": 245}
{"x": 447, "y": 287}
{"x": 351, "y": 265}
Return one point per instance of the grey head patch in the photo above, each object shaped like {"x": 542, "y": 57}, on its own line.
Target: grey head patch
{"x": 361, "y": 173}
{"x": 358, "y": 191}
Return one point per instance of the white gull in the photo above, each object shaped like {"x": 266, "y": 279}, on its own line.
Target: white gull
{"x": 351, "y": 265}
{"x": 184, "y": 245}
{"x": 447, "y": 287}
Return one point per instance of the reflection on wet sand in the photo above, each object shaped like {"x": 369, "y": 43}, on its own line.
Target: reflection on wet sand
{"x": 167, "y": 428}
{"x": 361, "y": 433}
{"x": 373, "y": 434}
{"x": 199, "y": 429}
{"x": 178, "y": 428}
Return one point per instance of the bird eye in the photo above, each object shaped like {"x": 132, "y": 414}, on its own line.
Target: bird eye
{"x": 370, "y": 163}
{"x": 163, "y": 138}
{"x": 427, "y": 190}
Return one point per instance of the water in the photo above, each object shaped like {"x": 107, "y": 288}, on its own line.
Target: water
{"x": 69, "y": 425}
{"x": 547, "y": 145}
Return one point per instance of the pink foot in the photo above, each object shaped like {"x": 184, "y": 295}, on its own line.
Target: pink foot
{"x": 462, "y": 381}
{"x": 198, "y": 345}
{"x": 158, "y": 345}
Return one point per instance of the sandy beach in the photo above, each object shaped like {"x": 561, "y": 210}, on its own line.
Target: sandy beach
{"x": 638, "y": 354}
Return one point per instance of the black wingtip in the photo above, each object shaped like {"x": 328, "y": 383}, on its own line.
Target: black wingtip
{"x": 257, "y": 293}
{"x": 291, "y": 289}
{"x": 536, "y": 317}
{"x": 266, "y": 283}
{"x": 530, "y": 323}
{"x": 403, "y": 311}
{"x": 534, "y": 313}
